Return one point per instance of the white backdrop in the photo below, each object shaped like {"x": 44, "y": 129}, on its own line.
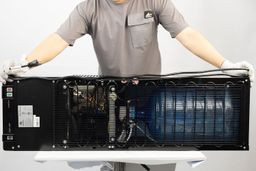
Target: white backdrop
{"x": 230, "y": 25}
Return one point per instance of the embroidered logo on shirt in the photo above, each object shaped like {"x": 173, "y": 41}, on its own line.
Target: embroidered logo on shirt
{"x": 148, "y": 14}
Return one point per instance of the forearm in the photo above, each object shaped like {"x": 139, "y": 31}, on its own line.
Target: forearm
{"x": 200, "y": 46}
{"x": 47, "y": 49}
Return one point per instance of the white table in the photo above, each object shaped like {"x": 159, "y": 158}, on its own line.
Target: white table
{"x": 193, "y": 158}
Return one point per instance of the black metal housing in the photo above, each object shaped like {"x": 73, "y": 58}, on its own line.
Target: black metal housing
{"x": 85, "y": 113}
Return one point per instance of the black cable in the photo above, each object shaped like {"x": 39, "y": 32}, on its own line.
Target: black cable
{"x": 208, "y": 75}
{"x": 32, "y": 64}
{"x": 191, "y": 74}
{"x": 145, "y": 167}
{"x": 197, "y": 72}
{"x": 158, "y": 77}
{"x": 150, "y": 76}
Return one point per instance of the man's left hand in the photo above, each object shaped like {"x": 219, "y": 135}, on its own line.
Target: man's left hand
{"x": 227, "y": 64}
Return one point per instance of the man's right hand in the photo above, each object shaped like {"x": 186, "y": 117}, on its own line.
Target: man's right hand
{"x": 44, "y": 52}
{"x": 5, "y": 69}
{"x": 3, "y": 76}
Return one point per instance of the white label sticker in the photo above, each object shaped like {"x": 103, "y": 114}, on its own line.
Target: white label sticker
{"x": 25, "y": 116}
{"x": 36, "y": 122}
{"x": 9, "y": 89}
{"x": 9, "y": 94}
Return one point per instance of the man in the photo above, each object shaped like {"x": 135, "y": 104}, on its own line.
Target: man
{"x": 124, "y": 34}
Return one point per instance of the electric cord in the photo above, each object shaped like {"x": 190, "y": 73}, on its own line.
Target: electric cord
{"x": 188, "y": 74}
{"x": 197, "y": 72}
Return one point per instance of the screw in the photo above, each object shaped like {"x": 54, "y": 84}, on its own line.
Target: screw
{"x": 53, "y": 146}
{"x": 13, "y": 147}
{"x": 246, "y": 80}
{"x": 53, "y": 81}
{"x": 18, "y": 146}
{"x": 112, "y": 139}
{"x": 64, "y": 87}
{"x": 65, "y": 146}
{"x": 111, "y": 146}
{"x": 113, "y": 89}
{"x": 65, "y": 141}
{"x": 18, "y": 82}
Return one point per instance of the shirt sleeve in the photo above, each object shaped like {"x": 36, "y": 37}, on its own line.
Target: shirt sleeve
{"x": 170, "y": 18}
{"x": 75, "y": 25}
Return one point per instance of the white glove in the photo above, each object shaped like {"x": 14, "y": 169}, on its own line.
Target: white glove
{"x": 227, "y": 64}
{"x": 5, "y": 69}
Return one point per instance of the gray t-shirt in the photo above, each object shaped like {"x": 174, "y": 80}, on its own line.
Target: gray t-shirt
{"x": 124, "y": 35}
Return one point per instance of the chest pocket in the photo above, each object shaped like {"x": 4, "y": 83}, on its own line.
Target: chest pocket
{"x": 141, "y": 29}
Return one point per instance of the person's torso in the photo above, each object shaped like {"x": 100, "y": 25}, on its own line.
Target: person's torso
{"x": 125, "y": 36}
